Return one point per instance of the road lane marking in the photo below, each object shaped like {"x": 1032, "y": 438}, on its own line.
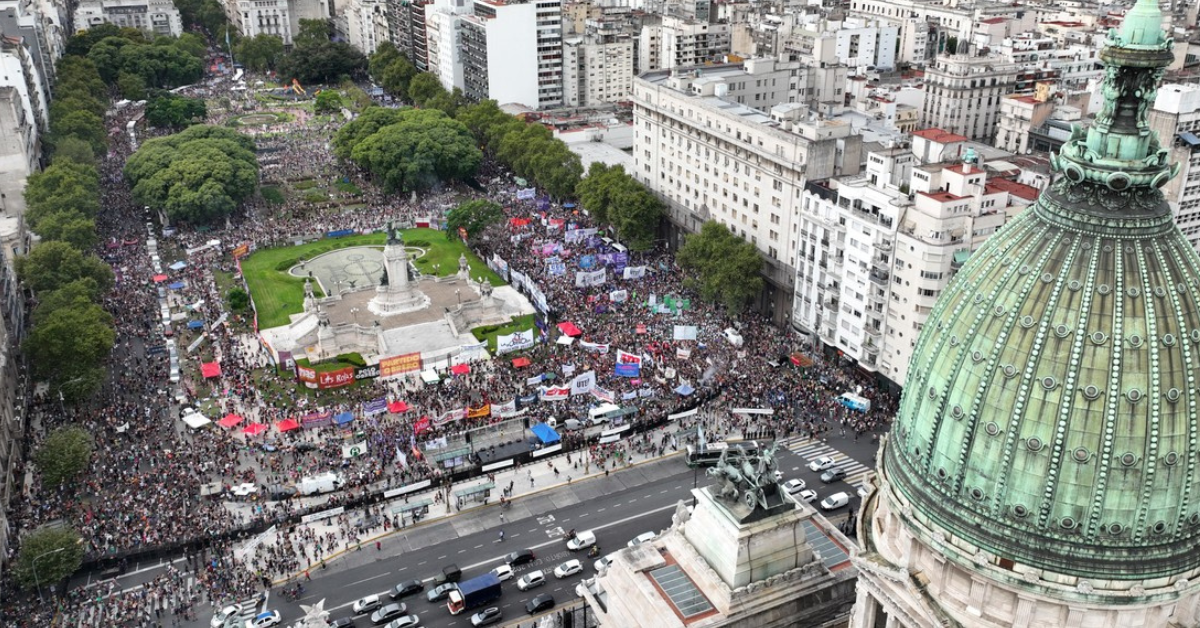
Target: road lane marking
{"x": 382, "y": 575}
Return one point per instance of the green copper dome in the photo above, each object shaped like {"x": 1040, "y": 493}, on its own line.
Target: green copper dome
{"x": 1051, "y": 412}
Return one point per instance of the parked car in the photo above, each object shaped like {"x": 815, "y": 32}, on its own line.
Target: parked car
{"x": 406, "y": 588}
{"x": 791, "y": 487}
{"x": 503, "y": 572}
{"x": 388, "y": 613}
{"x": 277, "y": 492}
{"x": 822, "y": 463}
{"x": 245, "y": 489}
{"x": 543, "y": 602}
{"x": 569, "y": 568}
{"x": 835, "y": 501}
{"x": 833, "y": 475}
{"x": 583, "y": 540}
{"x": 520, "y": 557}
{"x": 439, "y": 593}
{"x": 367, "y": 604}
{"x": 602, "y": 563}
{"x": 486, "y": 617}
{"x": 342, "y": 622}
{"x": 532, "y": 579}
{"x": 642, "y": 538}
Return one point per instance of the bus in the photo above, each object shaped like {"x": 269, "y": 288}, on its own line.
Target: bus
{"x": 708, "y": 455}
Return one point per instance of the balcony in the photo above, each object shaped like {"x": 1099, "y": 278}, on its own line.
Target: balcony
{"x": 877, "y": 298}
{"x": 880, "y": 277}
{"x": 883, "y": 264}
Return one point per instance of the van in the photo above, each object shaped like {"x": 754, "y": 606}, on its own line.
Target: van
{"x": 600, "y": 413}
{"x": 317, "y": 484}
{"x": 854, "y": 402}
{"x": 450, "y": 573}
{"x": 835, "y": 501}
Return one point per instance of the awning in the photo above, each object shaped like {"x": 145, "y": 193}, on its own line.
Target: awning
{"x": 1190, "y": 139}
{"x": 195, "y": 324}
{"x": 254, "y": 429}
{"x": 159, "y": 278}
{"x": 685, "y": 390}
{"x": 396, "y": 407}
{"x": 287, "y": 425}
{"x": 176, "y": 285}
{"x": 210, "y": 369}
{"x": 545, "y": 434}
{"x": 565, "y": 340}
{"x": 430, "y": 376}
{"x": 230, "y": 420}
{"x": 520, "y": 362}
{"x": 569, "y": 329}
{"x": 343, "y": 418}
{"x": 196, "y": 421}
{"x": 460, "y": 369}
{"x": 178, "y": 266}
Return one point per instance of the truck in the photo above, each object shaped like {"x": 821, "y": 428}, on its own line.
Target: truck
{"x": 317, "y": 484}
{"x": 474, "y": 593}
{"x": 855, "y": 402}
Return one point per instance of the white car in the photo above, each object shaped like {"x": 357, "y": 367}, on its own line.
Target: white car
{"x": 587, "y": 584}
{"x": 532, "y": 579}
{"x": 807, "y": 495}
{"x": 863, "y": 491}
{"x": 583, "y": 540}
{"x": 791, "y": 487}
{"x": 835, "y": 501}
{"x": 603, "y": 563}
{"x": 367, "y": 604}
{"x": 242, "y": 490}
{"x": 822, "y": 463}
{"x": 224, "y": 615}
{"x": 503, "y": 572}
{"x": 264, "y": 620}
{"x": 642, "y": 538}
{"x": 569, "y": 568}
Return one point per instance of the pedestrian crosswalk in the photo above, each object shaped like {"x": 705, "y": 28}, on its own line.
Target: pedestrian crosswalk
{"x": 249, "y": 609}
{"x": 810, "y": 449}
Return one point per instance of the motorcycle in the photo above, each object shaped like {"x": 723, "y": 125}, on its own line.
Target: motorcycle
{"x": 594, "y": 552}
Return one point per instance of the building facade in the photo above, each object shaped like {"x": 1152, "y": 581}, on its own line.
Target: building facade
{"x": 1176, "y": 118}
{"x": 512, "y": 52}
{"x": 408, "y": 32}
{"x": 595, "y": 71}
{"x": 964, "y": 93}
{"x": 280, "y": 18}
{"x": 153, "y": 17}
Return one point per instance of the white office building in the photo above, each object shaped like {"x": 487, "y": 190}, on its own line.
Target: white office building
{"x": 280, "y": 18}
{"x": 1176, "y": 118}
{"x": 513, "y": 52}
{"x": 153, "y": 17}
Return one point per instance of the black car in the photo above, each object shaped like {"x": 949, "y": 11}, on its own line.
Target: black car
{"x": 543, "y": 602}
{"x": 345, "y": 622}
{"x": 833, "y": 474}
{"x": 520, "y": 557}
{"x": 407, "y": 588}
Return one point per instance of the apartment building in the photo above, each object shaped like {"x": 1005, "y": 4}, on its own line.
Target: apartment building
{"x": 152, "y": 17}
{"x": 596, "y": 70}
{"x": 1019, "y": 115}
{"x": 685, "y": 42}
{"x": 443, "y": 26}
{"x": 512, "y": 52}
{"x": 963, "y": 94}
{"x": 1176, "y": 119}
{"x": 710, "y": 157}
{"x": 280, "y": 18}
{"x": 407, "y": 30}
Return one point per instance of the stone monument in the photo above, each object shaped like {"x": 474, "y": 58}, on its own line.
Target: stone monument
{"x": 397, "y": 292}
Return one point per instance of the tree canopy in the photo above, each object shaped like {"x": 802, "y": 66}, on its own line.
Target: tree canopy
{"x": 167, "y": 110}
{"x": 365, "y": 125}
{"x": 473, "y": 217}
{"x": 315, "y": 59}
{"x": 725, "y": 268}
{"x": 65, "y": 453}
{"x": 531, "y": 150}
{"x": 68, "y": 348}
{"x": 164, "y": 64}
{"x": 199, "y": 175}
{"x": 615, "y": 198}
{"x": 48, "y": 555}
{"x": 328, "y": 101}
{"x": 259, "y": 53}
{"x": 420, "y": 149}
{"x": 64, "y": 186}
{"x": 52, "y": 265}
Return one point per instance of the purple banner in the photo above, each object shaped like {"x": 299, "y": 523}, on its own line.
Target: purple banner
{"x": 316, "y": 419}
{"x": 375, "y": 406}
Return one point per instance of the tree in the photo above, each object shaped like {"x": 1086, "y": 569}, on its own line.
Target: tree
{"x": 365, "y": 125}
{"x": 74, "y": 150}
{"x": 48, "y": 555}
{"x": 106, "y": 55}
{"x": 313, "y": 62}
{"x": 199, "y": 175}
{"x": 396, "y": 76}
{"x": 423, "y": 87}
{"x": 259, "y": 53}
{"x": 635, "y": 215}
{"x": 596, "y": 191}
{"x": 424, "y": 147}
{"x": 190, "y": 43}
{"x": 69, "y": 226}
{"x": 81, "y": 43}
{"x": 481, "y": 117}
{"x": 68, "y": 348}
{"x": 725, "y": 268}
{"x": 68, "y": 100}
{"x": 65, "y": 454}
{"x": 84, "y": 125}
{"x": 328, "y": 101}
{"x": 163, "y": 67}
{"x": 131, "y": 86}
{"x": 312, "y": 32}
{"x": 65, "y": 186}
{"x": 77, "y": 294}
{"x": 52, "y": 265}
{"x": 172, "y": 111}
{"x": 238, "y": 299}
{"x": 473, "y": 217}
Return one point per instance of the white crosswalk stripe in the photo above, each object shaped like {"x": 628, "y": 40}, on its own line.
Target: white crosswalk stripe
{"x": 250, "y": 608}
{"x": 810, "y": 449}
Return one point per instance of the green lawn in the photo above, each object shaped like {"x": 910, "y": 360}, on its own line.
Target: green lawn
{"x": 489, "y": 333}
{"x": 277, "y": 295}
{"x": 271, "y": 194}
{"x": 348, "y": 188}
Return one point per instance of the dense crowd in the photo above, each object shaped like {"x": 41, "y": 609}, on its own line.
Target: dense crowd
{"x": 143, "y": 488}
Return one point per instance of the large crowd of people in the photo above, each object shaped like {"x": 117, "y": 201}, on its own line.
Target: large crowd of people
{"x": 143, "y": 487}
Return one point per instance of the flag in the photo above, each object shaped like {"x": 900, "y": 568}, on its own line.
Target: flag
{"x": 354, "y": 450}
{"x": 555, "y": 393}
{"x": 401, "y": 458}
{"x": 628, "y": 364}
{"x": 583, "y": 383}
{"x": 592, "y": 346}
{"x": 421, "y": 426}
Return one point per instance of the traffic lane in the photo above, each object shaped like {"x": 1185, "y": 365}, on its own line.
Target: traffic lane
{"x": 793, "y": 466}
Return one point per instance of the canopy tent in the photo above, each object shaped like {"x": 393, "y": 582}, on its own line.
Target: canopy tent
{"x": 430, "y": 376}
{"x": 230, "y": 420}
{"x": 159, "y": 278}
{"x": 568, "y": 205}
{"x": 569, "y": 329}
{"x": 210, "y": 369}
{"x": 460, "y": 369}
{"x": 178, "y": 266}
{"x": 396, "y": 407}
{"x": 801, "y": 360}
{"x": 254, "y": 429}
{"x": 195, "y": 324}
{"x": 196, "y": 421}
{"x": 545, "y": 434}
{"x": 565, "y": 340}
{"x": 343, "y": 418}
{"x": 520, "y": 362}
{"x": 177, "y": 285}
{"x": 685, "y": 390}
{"x": 288, "y": 425}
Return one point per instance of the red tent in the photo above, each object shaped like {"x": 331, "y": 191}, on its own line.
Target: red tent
{"x": 569, "y": 329}
{"x": 210, "y": 369}
{"x": 520, "y": 362}
{"x": 396, "y": 407}
{"x": 460, "y": 369}
{"x": 288, "y": 425}
{"x": 254, "y": 429}
{"x": 230, "y": 420}
{"x": 159, "y": 278}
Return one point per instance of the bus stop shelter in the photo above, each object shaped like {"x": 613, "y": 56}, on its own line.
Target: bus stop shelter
{"x": 416, "y": 509}
{"x": 478, "y": 493}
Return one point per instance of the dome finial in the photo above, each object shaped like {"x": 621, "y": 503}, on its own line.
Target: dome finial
{"x": 1143, "y": 25}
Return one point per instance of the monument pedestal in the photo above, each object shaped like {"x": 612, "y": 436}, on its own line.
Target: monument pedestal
{"x": 743, "y": 545}
{"x": 396, "y": 294}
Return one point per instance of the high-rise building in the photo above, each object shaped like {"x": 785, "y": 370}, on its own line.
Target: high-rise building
{"x": 280, "y": 18}
{"x": 596, "y": 71}
{"x": 1176, "y": 119}
{"x": 511, "y": 52}
{"x": 964, "y": 94}
{"x": 443, "y": 30}
{"x": 408, "y": 32}
{"x": 153, "y": 17}
{"x": 1040, "y": 469}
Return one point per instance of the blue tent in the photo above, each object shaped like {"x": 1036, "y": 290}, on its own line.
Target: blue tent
{"x": 343, "y": 418}
{"x": 545, "y": 433}
{"x": 685, "y": 390}
{"x": 175, "y": 286}
{"x": 195, "y": 324}
{"x": 178, "y": 266}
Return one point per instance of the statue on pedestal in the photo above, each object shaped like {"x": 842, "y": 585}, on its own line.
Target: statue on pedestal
{"x": 745, "y": 478}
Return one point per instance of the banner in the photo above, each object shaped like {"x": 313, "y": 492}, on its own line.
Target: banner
{"x": 336, "y": 379}
{"x": 578, "y": 235}
{"x": 629, "y": 395}
{"x": 514, "y": 342}
{"x": 499, "y": 265}
{"x": 583, "y": 383}
{"x": 482, "y": 411}
{"x": 628, "y": 364}
{"x": 534, "y": 381}
{"x": 618, "y": 296}
{"x": 421, "y": 426}
{"x": 592, "y": 346}
{"x": 767, "y": 411}
{"x": 316, "y": 419}
{"x": 407, "y": 363}
{"x": 506, "y": 409}
{"x": 375, "y": 406}
{"x": 307, "y": 375}
{"x": 555, "y": 393}
{"x": 524, "y": 401}
{"x": 593, "y": 278}
{"x": 634, "y": 272}
{"x": 366, "y": 372}
{"x": 646, "y": 392}
{"x": 682, "y": 353}
{"x": 686, "y": 332}
{"x": 526, "y": 194}
{"x": 241, "y": 251}
{"x": 450, "y": 416}
{"x": 555, "y": 266}
{"x": 354, "y": 450}
{"x": 603, "y": 395}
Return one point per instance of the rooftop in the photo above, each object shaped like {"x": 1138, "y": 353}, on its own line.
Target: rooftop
{"x": 1019, "y": 190}
{"x": 940, "y": 136}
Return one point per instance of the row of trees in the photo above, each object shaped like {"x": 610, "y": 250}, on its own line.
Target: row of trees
{"x": 408, "y": 149}
{"x": 314, "y": 57}
{"x": 615, "y": 198}
{"x": 199, "y": 175}
{"x": 127, "y": 60}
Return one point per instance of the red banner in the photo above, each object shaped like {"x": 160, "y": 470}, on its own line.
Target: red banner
{"x": 421, "y": 426}
{"x": 475, "y": 413}
{"x": 306, "y": 375}
{"x": 406, "y": 363}
{"x": 241, "y": 251}
{"x": 336, "y": 379}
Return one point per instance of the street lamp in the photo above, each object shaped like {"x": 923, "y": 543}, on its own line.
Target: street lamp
{"x": 458, "y": 295}
{"x": 354, "y": 311}
{"x": 36, "y": 581}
